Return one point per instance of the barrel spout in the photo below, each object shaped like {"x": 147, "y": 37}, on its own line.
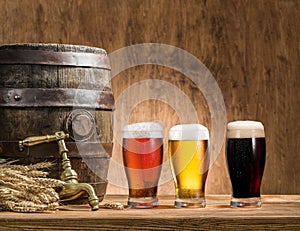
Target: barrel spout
{"x": 72, "y": 189}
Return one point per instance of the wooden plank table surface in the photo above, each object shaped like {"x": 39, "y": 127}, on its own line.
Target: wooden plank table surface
{"x": 280, "y": 212}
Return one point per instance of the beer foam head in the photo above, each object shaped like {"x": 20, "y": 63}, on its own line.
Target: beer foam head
{"x": 143, "y": 130}
{"x": 245, "y": 129}
{"x": 188, "y": 132}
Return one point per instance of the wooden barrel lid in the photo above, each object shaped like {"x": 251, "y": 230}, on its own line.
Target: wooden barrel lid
{"x": 54, "y": 54}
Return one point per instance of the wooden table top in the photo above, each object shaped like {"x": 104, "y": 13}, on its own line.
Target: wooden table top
{"x": 280, "y": 212}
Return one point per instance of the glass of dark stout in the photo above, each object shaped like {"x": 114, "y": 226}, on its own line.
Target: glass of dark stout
{"x": 142, "y": 157}
{"x": 245, "y": 156}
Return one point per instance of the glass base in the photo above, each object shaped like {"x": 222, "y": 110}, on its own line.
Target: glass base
{"x": 190, "y": 203}
{"x": 246, "y": 202}
{"x": 144, "y": 202}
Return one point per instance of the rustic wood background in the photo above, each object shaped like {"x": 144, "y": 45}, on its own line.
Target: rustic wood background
{"x": 252, "y": 48}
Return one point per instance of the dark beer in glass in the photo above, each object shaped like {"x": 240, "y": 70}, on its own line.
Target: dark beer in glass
{"x": 142, "y": 158}
{"x": 246, "y": 155}
{"x": 188, "y": 154}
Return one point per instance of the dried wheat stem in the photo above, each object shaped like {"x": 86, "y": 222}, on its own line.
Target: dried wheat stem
{"x": 25, "y": 188}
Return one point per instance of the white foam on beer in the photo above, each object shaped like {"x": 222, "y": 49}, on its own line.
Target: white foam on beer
{"x": 188, "y": 132}
{"x": 143, "y": 130}
{"x": 245, "y": 129}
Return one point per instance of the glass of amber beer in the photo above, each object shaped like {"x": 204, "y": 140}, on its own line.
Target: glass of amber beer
{"x": 142, "y": 158}
{"x": 189, "y": 160}
{"x": 245, "y": 156}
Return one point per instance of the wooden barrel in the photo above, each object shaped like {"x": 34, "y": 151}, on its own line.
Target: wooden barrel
{"x": 45, "y": 88}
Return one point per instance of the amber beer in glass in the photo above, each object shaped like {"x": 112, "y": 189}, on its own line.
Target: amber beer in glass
{"x": 189, "y": 160}
{"x": 246, "y": 155}
{"x": 142, "y": 158}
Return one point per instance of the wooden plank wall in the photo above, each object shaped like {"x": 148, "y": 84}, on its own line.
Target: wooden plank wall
{"x": 251, "y": 47}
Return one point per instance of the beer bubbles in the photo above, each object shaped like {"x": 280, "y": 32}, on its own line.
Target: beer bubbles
{"x": 143, "y": 130}
{"x": 188, "y": 132}
{"x": 245, "y": 129}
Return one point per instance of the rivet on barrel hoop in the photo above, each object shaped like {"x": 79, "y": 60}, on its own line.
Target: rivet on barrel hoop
{"x": 17, "y": 97}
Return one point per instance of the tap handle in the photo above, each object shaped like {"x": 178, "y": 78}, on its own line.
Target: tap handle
{"x": 34, "y": 140}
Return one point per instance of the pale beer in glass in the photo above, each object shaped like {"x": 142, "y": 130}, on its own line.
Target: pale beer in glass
{"x": 189, "y": 160}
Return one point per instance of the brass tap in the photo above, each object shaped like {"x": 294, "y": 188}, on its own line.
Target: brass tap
{"x": 72, "y": 189}
{"x": 34, "y": 140}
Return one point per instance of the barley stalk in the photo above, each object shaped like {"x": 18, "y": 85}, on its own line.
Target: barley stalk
{"x": 26, "y": 188}
{"x": 49, "y": 182}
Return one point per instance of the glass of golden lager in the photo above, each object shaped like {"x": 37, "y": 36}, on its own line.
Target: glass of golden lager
{"x": 142, "y": 158}
{"x": 189, "y": 160}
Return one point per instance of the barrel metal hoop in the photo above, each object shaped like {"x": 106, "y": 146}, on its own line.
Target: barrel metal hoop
{"x": 10, "y": 149}
{"x": 56, "y": 97}
{"x": 40, "y": 57}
